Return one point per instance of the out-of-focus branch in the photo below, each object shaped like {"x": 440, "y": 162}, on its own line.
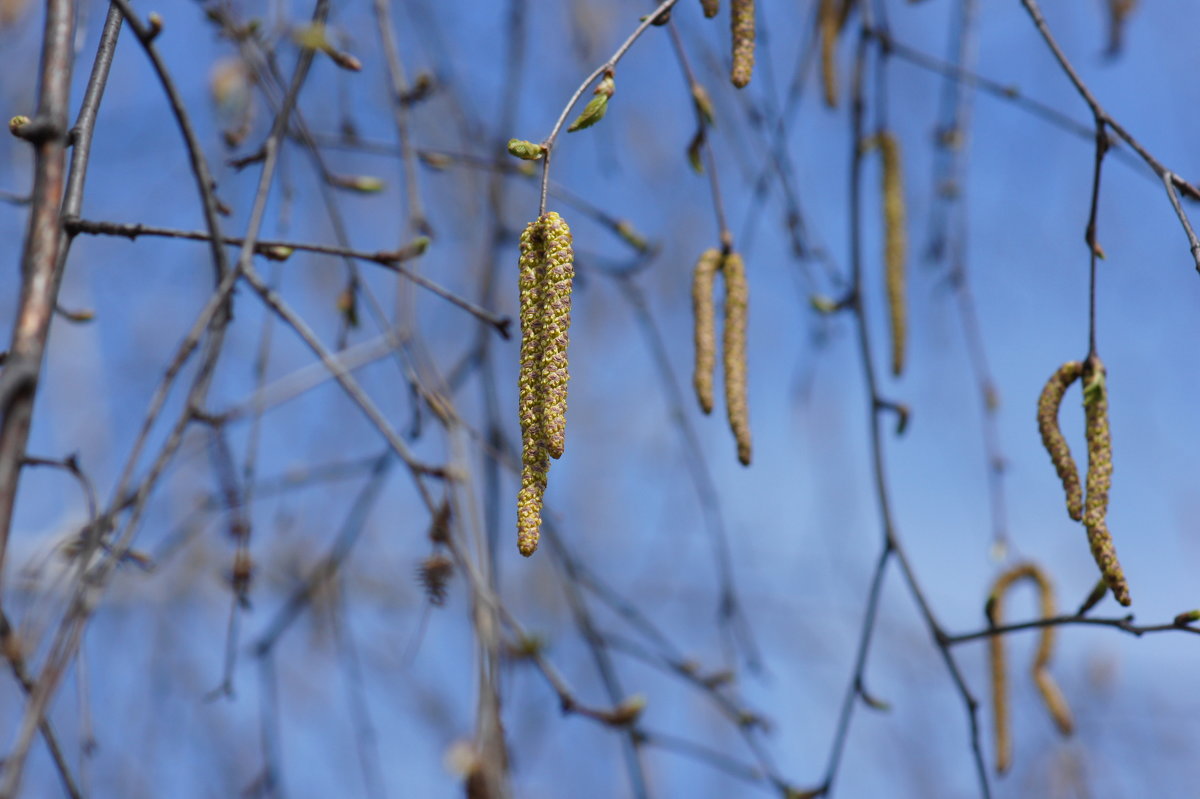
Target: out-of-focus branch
{"x": 280, "y": 250}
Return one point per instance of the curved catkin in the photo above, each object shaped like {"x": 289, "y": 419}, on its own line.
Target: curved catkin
{"x": 705, "y": 334}
{"x": 1056, "y": 705}
{"x": 828, "y": 25}
{"x": 1099, "y": 478}
{"x": 737, "y": 299}
{"x": 895, "y": 245}
{"x": 710, "y": 7}
{"x": 742, "y": 27}
{"x": 556, "y": 323}
{"x": 1052, "y": 437}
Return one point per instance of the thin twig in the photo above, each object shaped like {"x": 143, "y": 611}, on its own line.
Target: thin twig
{"x": 1102, "y": 116}
{"x": 548, "y": 142}
{"x": 1124, "y": 624}
{"x": 390, "y": 259}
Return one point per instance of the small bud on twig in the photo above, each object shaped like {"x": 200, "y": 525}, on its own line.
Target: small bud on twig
{"x": 16, "y": 124}
{"x": 363, "y": 184}
{"x": 594, "y": 111}
{"x": 525, "y": 150}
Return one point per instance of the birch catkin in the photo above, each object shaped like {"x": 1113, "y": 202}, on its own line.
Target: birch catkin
{"x": 742, "y": 28}
{"x": 828, "y": 26}
{"x": 1052, "y": 438}
{"x": 895, "y": 246}
{"x": 1099, "y": 478}
{"x": 529, "y": 381}
{"x": 710, "y": 7}
{"x": 546, "y": 271}
{"x": 705, "y": 332}
{"x": 535, "y": 468}
{"x": 556, "y": 298}
{"x": 534, "y": 464}
{"x": 737, "y": 298}
{"x": 1056, "y": 705}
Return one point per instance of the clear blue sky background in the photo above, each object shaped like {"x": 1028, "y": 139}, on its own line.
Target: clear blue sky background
{"x": 803, "y": 519}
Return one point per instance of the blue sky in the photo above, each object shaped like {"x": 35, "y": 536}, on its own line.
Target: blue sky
{"x": 803, "y": 520}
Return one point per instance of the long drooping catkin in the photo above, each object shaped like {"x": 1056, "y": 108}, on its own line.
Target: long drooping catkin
{"x": 556, "y": 323}
{"x": 529, "y": 382}
{"x": 828, "y": 26}
{"x": 895, "y": 245}
{"x": 711, "y": 7}
{"x": 1052, "y": 438}
{"x": 705, "y": 333}
{"x": 737, "y": 299}
{"x": 546, "y": 270}
{"x": 742, "y": 28}
{"x": 1099, "y": 478}
{"x": 1047, "y": 687}
{"x": 531, "y": 393}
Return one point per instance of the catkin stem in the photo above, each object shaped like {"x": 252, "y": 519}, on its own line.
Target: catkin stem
{"x": 737, "y": 298}
{"x": 1052, "y": 438}
{"x": 705, "y": 332}
{"x": 742, "y": 28}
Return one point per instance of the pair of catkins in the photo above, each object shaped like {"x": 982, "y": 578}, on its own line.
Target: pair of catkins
{"x": 737, "y": 298}
{"x": 1092, "y": 509}
{"x": 547, "y": 271}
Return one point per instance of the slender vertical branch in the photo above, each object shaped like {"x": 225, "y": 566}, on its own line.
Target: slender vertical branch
{"x": 41, "y": 270}
{"x": 1094, "y": 249}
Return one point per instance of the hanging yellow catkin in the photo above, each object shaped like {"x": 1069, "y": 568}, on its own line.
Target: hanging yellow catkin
{"x": 529, "y": 382}
{"x": 1099, "y": 478}
{"x": 546, "y": 271}
{"x": 828, "y": 26}
{"x": 530, "y": 401}
{"x": 705, "y": 333}
{"x": 742, "y": 28}
{"x": 1056, "y": 705}
{"x": 556, "y": 323}
{"x": 710, "y": 7}
{"x": 737, "y": 299}
{"x": 895, "y": 245}
{"x": 1052, "y": 438}
{"x": 535, "y": 468}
